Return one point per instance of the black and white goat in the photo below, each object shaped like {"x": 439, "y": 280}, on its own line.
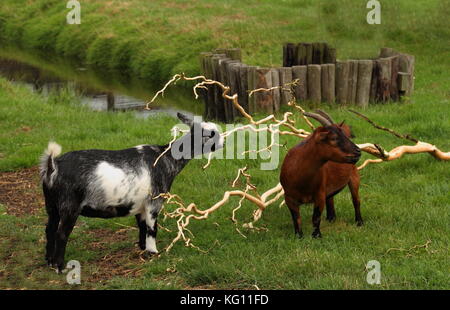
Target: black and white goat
{"x": 106, "y": 184}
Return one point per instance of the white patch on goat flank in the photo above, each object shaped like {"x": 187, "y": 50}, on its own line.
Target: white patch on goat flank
{"x": 119, "y": 186}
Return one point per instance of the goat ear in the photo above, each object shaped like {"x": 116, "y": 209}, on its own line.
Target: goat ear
{"x": 184, "y": 119}
{"x": 322, "y": 135}
{"x": 342, "y": 123}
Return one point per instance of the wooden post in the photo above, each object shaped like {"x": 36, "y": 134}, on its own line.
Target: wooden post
{"x": 285, "y": 77}
{"x": 384, "y": 79}
{"x": 301, "y": 54}
{"x": 233, "y": 83}
{"x": 342, "y": 71}
{"x": 225, "y": 79}
{"x": 406, "y": 65}
{"x": 387, "y": 52}
{"x": 301, "y": 90}
{"x": 251, "y": 78}
{"x": 328, "y": 83}
{"x": 314, "y": 84}
{"x": 218, "y": 99}
{"x": 288, "y": 54}
{"x": 276, "y": 93}
{"x": 330, "y": 55}
{"x": 243, "y": 87}
{"x": 374, "y": 82}
{"x": 352, "y": 81}
{"x": 309, "y": 53}
{"x": 318, "y": 53}
{"x": 234, "y": 53}
{"x": 365, "y": 68}
{"x": 264, "y": 99}
{"x": 394, "y": 79}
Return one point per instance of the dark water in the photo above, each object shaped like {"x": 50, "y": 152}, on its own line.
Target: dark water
{"x": 101, "y": 91}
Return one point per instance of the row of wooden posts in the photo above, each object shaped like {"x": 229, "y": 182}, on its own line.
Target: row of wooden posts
{"x": 359, "y": 82}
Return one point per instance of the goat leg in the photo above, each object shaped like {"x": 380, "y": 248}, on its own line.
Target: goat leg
{"x": 331, "y": 213}
{"x": 296, "y": 217}
{"x": 65, "y": 227}
{"x": 142, "y": 230}
{"x": 319, "y": 205}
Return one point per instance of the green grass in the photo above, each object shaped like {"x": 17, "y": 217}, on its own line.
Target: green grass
{"x": 404, "y": 202}
{"x": 154, "y": 39}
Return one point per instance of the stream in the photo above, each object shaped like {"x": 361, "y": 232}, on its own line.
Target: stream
{"x": 101, "y": 91}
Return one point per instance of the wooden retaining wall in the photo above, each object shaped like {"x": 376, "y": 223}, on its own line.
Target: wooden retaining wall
{"x": 322, "y": 78}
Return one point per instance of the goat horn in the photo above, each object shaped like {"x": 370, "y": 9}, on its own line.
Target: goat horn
{"x": 324, "y": 114}
{"x": 319, "y": 118}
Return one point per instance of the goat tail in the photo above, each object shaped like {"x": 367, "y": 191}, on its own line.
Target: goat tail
{"x": 48, "y": 168}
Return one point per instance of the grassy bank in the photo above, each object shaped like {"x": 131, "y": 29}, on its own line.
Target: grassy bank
{"x": 154, "y": 39}
{"x": 404, "y": 203}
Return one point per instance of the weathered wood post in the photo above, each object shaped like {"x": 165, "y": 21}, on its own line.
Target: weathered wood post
{"x": 218, "y": 98}
{"x": 264, "y": 99}
{"x": 394, "y": 78}
{"x": 318, "y": 53}
{"x": 383, "y": 70}
{"x": 285, "y": 77}
{"x": 225, "y": 79}
{"x": 235, "y": 86}
{"x": 289, "y": 54}
{"x": 251, "y": 81}
{"x": 243, "y": 87}
{"x": 314, "y": 84}
{"x": 276, "y": 93}
{"x": 328, "y": 82}
{"x": 234, "y": 53}
{"x": 352, "y": 81}
{"x": 330, "y": 55}
{"x": 342, "y": 72}
{"x": 365, "y": 68}
{"x": 406, "y": 66}
{"x": 301, "y": 90}
{"x": 309, "y": 53}
{"x": 301, "y": 55}
{"x": 233, "y": 74}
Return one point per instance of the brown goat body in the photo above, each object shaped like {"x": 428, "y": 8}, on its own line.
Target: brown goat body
{"x": 317, "y": 169}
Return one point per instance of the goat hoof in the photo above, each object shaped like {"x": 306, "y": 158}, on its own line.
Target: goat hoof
{"x": 299, "y": 235}
{"x": 49, "y": 261}
{"x": 317, "y": 234}
{"x": 148, "y": 254}
{"x": 141, "y": 245}
{"x": 331, "y": 219}
{"x": 359, "y": 223}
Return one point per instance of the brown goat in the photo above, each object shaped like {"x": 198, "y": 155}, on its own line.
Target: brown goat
{"x": 317, "y": 169}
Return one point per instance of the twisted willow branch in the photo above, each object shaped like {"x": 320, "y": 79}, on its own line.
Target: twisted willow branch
{"x": 184, "y": 213}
